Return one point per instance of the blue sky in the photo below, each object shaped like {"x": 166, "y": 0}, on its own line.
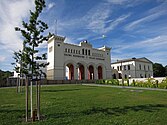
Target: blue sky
{"x": 133, "y": 28}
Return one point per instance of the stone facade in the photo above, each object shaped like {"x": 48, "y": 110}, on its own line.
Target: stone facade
{"x": 83, "y": 61}
{"x": 133, "y": 68}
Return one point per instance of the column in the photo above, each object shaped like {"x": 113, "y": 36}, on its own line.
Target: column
{"x": 86, "y": 72}
{"x": 75, "y": 72}
{"x": 95, "y": 72}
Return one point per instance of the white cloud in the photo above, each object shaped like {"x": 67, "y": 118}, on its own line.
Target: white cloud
{"x": 97, "y": 19}
{"x": 148, "y": 18}
{"x": 116, "y": 22}
{"x": 156, "y": 43}
{"x": 126, "y": 3}
{"x": 50, "y": 5}
{"x": 2, "y": 58}
{"x": 116, "y": 1}
{"x": 12, "y": 13}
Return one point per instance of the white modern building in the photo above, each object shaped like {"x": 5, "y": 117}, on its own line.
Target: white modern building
{"x": 83, "y": 61}
{"x": 132, "y": 68}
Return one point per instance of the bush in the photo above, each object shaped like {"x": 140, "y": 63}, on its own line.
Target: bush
{"x": 150, "y": 83}
{"x": 163, "y": 84}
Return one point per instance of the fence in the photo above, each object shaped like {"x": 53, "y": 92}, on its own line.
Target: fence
{"x": 14, "y": 81}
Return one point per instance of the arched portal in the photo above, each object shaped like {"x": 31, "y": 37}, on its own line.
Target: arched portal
{"x": 70, "y": 71}
{"x": 114, "y": 76}
{"x": 100, "y": 72}
{"x": 91, "y": 72}
{"x": 81, "y": 72}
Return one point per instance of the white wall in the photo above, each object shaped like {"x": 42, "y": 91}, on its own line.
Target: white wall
{"x": 135, "y": 71}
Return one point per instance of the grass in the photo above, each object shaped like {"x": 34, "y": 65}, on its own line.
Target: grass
{"x": 86, "y": 105}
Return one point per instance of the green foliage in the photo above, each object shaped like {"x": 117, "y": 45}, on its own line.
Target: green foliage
{"x": 5, "y": 74}
{"x": 111, "y": 82}
{"x": 166, "y": 70}
{"x": 33, "y": 34}
{"x": 149, "y": 83}
{"x": 163, "y": 85}
{"x": 159, "y": 70}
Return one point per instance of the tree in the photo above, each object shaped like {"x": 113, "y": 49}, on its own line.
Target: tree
{"x": 33, "y": 34}
{"x": 22, "y": 66}
{"x": 158, "y": 70}
{"x": 166, "y": 70}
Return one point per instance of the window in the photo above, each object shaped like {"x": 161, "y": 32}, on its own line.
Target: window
{"x": 149, "y": 76}
{"x": 144, "y": 67}
{"x": 83, "y": 51}
{"x": 66, "y": 50}
{"x": 71, "y": 50}
{"x": 58, "y": 45}
{"x": 140, "y": 66}
{"x": 141, "y": 76}
{"x": 125, "y": 67}
{"x": 148, "y": 68}
{"x": 50, "y": 49}
{"x": 79, "y": 52}
{"x": 121, "y": 68}
{"x": 74, "y": 51}
{"x": 118, "y": 68}
{"x": 128, "y": 67}
{"x": 89, "y": 52}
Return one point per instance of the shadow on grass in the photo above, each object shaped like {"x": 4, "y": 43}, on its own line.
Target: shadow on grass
{"x": 60, "y": 90}
{"x": 63, "y": 90}
{"x": 13, "y": 111}
{"x": 116, "y": 111}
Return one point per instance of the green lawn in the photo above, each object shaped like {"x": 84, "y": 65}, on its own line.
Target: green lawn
{"x": 86, "y": 105}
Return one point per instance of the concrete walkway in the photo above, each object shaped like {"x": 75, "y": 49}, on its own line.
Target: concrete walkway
{"x": 126, "y": 87}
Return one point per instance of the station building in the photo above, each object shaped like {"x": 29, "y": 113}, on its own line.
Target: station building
{"x": 83, "y": 61}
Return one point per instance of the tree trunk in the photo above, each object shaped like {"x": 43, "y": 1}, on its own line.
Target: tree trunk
{"x": 38, "y": 110}
{"x": 31, "y": 99}
{"x": 37, "y": 97}
{"x": 17, "y": 85}
{"x": 26, "y": 82}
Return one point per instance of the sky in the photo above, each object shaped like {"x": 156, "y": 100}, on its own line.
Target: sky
{"x": 132, "y": 28}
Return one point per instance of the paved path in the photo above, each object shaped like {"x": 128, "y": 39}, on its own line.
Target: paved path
{"x": 92, "y": 84}
{"x": 126, "y": 87}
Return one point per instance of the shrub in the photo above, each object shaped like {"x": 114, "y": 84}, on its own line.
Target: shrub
{"x": 113, "y": 82}
{"x": 133, "y": 83}
{"x": 163, "y": 84}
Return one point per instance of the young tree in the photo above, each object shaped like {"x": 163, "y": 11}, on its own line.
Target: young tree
{"x": 22, "y": 66}
{"x": 33, "y": 34}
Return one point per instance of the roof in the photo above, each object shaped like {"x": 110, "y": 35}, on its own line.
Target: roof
{"x": 143, "y": 59}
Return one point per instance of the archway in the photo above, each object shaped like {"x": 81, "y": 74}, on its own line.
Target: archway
{"x": 100, "y": 72}
{"x": 114, "y": 76}
{"x": 70, "y": 71}
{"x": 91, "y": 72}
{"x": 81, "y": 72}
